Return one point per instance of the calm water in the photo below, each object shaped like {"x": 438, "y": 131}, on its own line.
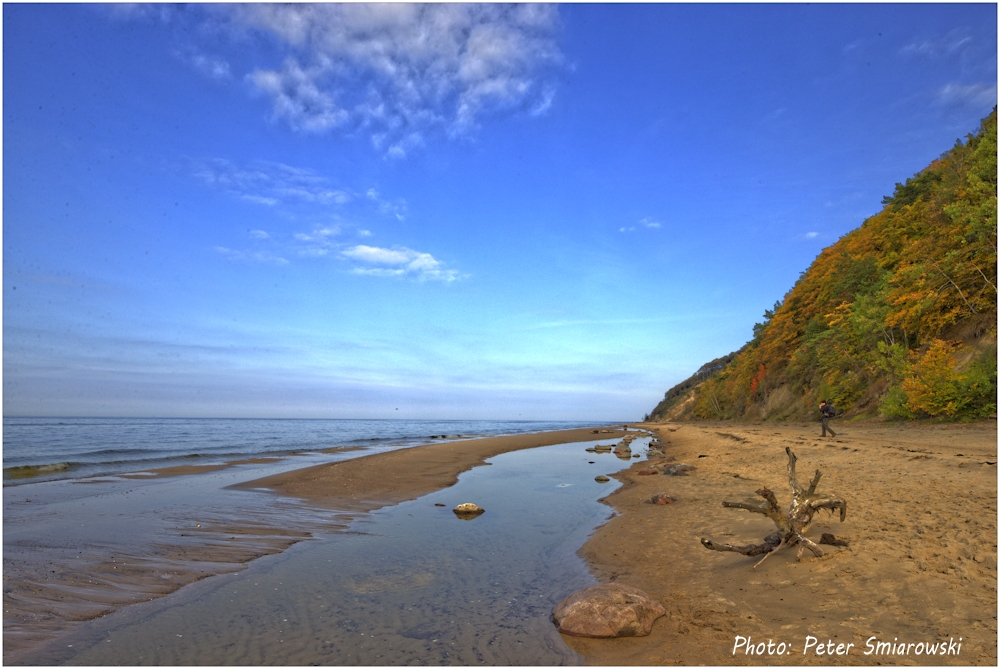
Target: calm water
{"x": 40, "y": 449}
{"x": 407, "y": 585}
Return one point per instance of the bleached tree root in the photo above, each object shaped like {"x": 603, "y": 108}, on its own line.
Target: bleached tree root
{"x": 791, "y": 524}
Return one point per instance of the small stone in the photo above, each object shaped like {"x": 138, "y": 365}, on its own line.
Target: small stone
{"x": 468, "y": 509}
{"x": 831, "y": 540}
{"x": 606, "y": 611}
{"x": 661, "y": 499}
{"x": 649, "y": 471}
{"x": 601, "y": 478}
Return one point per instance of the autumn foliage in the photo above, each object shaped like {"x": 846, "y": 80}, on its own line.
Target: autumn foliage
{"x": 898, "y": 318}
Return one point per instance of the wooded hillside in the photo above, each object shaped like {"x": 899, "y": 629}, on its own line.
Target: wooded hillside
{"x": 897, "y": 319}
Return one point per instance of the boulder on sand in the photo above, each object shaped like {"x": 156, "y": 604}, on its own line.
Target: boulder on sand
{"x": 607, "y": 610}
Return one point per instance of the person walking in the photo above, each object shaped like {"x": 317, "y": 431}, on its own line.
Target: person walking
{"x": 826, "y": 411}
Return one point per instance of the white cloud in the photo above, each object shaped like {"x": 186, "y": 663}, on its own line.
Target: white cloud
{"x": 270, "y": 183}
{"x": 646, "y": 222}
{"x": 298, "y": 99}
{"x": 259, "y": 234}
{"x": 398, "y": 261}
{"x": 975, "y": 95}
{"x": 811, "y": 235}
{"x": 398, "y": 71}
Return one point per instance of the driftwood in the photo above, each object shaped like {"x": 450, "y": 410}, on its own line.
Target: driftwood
{"x": 792, "y": 524}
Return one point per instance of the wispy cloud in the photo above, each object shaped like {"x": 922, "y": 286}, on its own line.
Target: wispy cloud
{"x": 953, "y": 42}
{"x": 399, "y": 71}
{"x": 972, "y": 95}
{"x": 270, "y": 183}
{"x": 398, "y": 261}
{"x": 214, "y": 67}
{"x": 265, "y": 257}
{"x": 320, "y": 241}
{"x": 646, "y": 222}
{"x": 811, "y": 235}
{"x": 396, "y": 208}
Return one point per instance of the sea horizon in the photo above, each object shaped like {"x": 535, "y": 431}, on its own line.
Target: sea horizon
{"x": 47, "y": 448}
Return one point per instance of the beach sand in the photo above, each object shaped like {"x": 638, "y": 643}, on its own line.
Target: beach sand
{"x": 921, "y": 565}
{"x": 371, "y": 482}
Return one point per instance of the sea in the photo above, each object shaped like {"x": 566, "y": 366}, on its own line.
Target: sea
{"x": 46, "y": 449}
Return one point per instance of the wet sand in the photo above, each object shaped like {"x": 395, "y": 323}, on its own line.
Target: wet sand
{"x": 383, "y": 479}
{"x": 921, "y": 564}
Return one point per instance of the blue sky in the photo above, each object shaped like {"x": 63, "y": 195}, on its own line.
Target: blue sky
{"x": 448, "y": 211}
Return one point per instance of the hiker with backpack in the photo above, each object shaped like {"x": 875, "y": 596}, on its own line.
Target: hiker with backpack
{"x": 826, "y": 411}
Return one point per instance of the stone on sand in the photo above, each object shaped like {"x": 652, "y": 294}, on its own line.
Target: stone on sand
{"x": 606, "y": 611}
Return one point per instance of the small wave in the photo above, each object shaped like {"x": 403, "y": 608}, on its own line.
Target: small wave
{"x": 27, "y": 471}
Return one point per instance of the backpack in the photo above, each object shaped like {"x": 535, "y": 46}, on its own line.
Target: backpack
{"x": 831, "y": 410}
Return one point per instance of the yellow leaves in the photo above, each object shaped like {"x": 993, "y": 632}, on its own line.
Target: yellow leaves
{"x": 839, "y": 316}
{"x": 932, "y": 387}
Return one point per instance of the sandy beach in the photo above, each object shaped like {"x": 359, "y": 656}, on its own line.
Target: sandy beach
{"x": 921, "y": 564}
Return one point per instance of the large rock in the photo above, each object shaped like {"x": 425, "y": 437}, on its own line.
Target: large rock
{"x": 607, "y": 610}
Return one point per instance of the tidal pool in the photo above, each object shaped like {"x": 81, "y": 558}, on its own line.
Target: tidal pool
{"x": 411, "y": 584}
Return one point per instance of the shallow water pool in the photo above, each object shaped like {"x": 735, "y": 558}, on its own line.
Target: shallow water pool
{"x": 410, "y": 584}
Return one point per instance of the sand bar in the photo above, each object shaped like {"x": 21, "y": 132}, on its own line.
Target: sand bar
{"x": 921, "y": 565}
{"x": 381, "y": 479}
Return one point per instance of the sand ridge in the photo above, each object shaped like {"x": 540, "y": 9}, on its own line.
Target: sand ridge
{"x": 921, "y": 565}
{"x": 382, "y": 479}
